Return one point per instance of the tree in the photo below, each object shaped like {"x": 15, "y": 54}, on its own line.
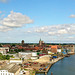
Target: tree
{"x": 0, "y": 54}
{"x": 16, "y": 50}
{"x": 7, "y": 57}
{"x": 0, "y": 45}
{"x": 13, "y": 45}
{"x": 11, "y": 50}
{"x": 23, "y": 50}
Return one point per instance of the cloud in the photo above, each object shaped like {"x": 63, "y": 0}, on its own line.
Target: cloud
{"x": 41, "y": 29}
{"x": 72, "y": 16}
{"x": 52, "y": 33}
{"x": 4, "y": 28}
{"x": 15, "y": 20}
{"x": 56, "y": 30}
{"x": 71, "y": 37}
{"x": 4, "y": 1}
{"x": 29, "y": 31}
{"x": 62, "y": 31}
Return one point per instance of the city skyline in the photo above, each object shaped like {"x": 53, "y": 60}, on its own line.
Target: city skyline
{"x": 30, "y": 20}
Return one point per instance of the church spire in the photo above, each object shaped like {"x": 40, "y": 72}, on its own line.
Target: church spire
{"x": 40, "y": 39}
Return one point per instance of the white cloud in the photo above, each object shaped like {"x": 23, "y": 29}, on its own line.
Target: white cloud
{"x": 52, "y": 33}
{"x": 55, "y": 30}
{"x": 72, "y": 16}
{"x": 71, "y": 37}
{"x": 4, "y": 28}
{"x": 41, "y": 29}
{"x": 14, "y": 20}
{"x": 62, "y": 31}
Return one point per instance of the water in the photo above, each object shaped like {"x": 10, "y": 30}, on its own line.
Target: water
{"x": 65, "y": 66}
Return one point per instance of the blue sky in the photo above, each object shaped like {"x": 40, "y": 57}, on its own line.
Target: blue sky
{"x": 29, "y": 20}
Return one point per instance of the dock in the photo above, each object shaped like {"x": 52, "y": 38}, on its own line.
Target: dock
{"x": 49, "y": 66}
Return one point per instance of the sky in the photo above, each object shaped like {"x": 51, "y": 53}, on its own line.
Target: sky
{"x": 51, "y": 20}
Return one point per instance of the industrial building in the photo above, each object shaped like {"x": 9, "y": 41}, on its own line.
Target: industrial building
{"x": 10, "y": 69}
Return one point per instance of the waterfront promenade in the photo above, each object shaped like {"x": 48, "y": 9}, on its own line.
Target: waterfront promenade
{"x": 49, "y": 65}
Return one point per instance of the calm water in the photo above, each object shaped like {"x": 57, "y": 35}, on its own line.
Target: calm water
{"x": 65, "y": 66}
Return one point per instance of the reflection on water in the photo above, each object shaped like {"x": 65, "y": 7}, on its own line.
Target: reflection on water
{"x": 65, "y": 66}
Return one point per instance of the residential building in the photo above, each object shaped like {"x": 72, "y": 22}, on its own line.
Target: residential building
{"x": 4, "y": 50}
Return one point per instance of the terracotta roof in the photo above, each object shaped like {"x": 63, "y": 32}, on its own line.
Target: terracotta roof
{"x": 54, "y": 47}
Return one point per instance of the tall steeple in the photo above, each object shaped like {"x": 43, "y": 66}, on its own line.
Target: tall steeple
{"x": 40, "y": 39}
{"x": 40, "y": 42}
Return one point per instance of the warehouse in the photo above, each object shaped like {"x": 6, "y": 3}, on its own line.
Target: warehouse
{"x": 10, "y": 69}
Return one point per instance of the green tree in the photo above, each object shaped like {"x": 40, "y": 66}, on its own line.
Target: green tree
{"x": 16, "y": 50}
{"x": 7, "y": 57}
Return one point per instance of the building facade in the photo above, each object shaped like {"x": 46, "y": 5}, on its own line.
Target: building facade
{"x": 4, "y": 50}
{"x": 5, "y": 72}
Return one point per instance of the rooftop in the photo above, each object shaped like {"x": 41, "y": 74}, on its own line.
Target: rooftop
{"x": 11, "y": 68}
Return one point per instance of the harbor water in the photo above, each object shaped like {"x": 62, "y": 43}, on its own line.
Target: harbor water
{"x": 65, "y": 66}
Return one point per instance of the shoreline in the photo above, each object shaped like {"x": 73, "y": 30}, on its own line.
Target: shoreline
{"x": 49, "y": 66}
{"x": 51, "y": 63}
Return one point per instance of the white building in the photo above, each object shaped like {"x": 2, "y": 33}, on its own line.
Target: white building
{"x": 34, "y": 56}
{"x": 28, "y": 55}
{"x": 10, "y": 69}
{"x": 3, "y": 50}
{"x": 16, "y": 61}
{"x": 25, "y": 55}
{"x": 5, "y": 72}
{"x": 59, "y": 50}
{"x": 49, "y": 52}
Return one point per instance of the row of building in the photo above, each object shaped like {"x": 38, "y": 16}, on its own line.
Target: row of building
{"x": 32, "y": 52}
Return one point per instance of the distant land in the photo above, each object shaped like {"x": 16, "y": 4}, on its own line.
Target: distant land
{"x": 45, "y": 43}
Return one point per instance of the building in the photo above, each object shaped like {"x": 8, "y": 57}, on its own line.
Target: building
{"x": 50, "y": 53}
{"x": 25, "y": 55}
{"x": 72, "y": 48}
{"x": 4, "y": 50}
{"x": 41, "y": 42}
{"x": 59, "y": 50}
{"x": 54, "y": 49}
{"x": 10, "y": 69}
{"x": 16, "y": 61}
{"x": 34, "y": 56}
{"x": 22, "y": 42}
